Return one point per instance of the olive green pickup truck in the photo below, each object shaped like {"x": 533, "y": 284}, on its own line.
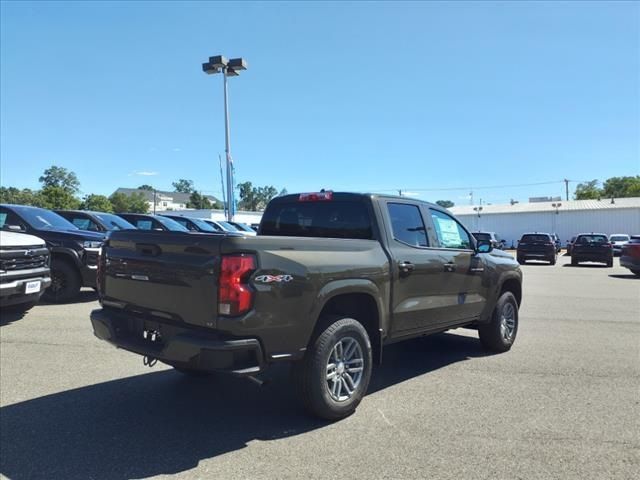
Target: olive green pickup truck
{"x": 329, "y": 280}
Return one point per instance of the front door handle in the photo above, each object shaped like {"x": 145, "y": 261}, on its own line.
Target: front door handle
{"x": 449, "y": 267}
{"x": 406, "y": 268}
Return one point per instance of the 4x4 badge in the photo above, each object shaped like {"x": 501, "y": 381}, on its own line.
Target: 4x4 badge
{"x": 273, "y": 278}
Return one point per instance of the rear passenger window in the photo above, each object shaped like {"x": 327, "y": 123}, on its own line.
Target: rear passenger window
{"x": 449, "y": 232}
{"x": 407, "y": 224}
{"x": 144, "y": 224}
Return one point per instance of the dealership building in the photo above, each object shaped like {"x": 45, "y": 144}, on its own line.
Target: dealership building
{"x": 566, "y": 218}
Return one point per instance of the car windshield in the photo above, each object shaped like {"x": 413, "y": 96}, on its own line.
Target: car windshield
{"x": 42, "y": 219}
{"x": 202, "y": 225}
{"x": 171, "y": 224}
{"x": 592, "y": 239}
{"x": 228, "y": 226}
{"x": 113, "y": 222}
{"x": 535, "y": 238}
{"x": 241, "y": 226}
{"x": 619, "y": 238}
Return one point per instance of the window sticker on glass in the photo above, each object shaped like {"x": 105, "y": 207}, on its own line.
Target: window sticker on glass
{"x": 449, "y": 231}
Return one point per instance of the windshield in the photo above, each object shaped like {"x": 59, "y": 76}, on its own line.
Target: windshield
{"x": 241, "y": 226}
{"x": 113, "y": 222}
{"x": 228, "y": 226}
{"x": 619, "y": 238}
{"x": 171, "y": 224}
{"x": 332, "y": 219}
{"x": 42, "y": 219}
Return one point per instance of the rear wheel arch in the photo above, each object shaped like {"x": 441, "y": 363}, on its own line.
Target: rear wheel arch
{"x": 361, "y": 306}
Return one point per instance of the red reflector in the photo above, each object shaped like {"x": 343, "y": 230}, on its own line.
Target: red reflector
{"x": 316, "y": 197}
{"x": 235, "y": 295}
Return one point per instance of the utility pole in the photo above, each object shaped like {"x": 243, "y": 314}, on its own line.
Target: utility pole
{"x": 154, "y": 201}
{"x": 224, "y": 203}
{"x": 566, "y": 189}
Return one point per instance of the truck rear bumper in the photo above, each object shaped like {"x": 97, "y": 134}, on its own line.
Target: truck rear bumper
{"x": 177, "y": 345}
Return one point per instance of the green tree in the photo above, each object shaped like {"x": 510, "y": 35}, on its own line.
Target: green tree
{"x": 54, "y": 197}
{"x": 196, "y": 200}
{"x": 283, "y": 192}
{"x": 60, "y": 177}
{"x": 97, "y": 203}
{"x": 20, "y": 197}
{"x": 146, "y": 187}
{"x": 620, "y": 187}
{"x": 183, "y": 186}
{"x": 134, "y": 203}
{"x": 445, "y": 203}
{"x": 588, "y": 191}
{"x": 255, "y": 198}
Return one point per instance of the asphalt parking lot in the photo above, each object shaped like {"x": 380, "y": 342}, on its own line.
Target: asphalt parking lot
{"x": 563, "y": 403}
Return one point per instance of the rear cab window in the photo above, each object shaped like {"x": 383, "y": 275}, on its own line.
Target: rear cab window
{"x": 337, "y": 216}
{"x": 589, "y": 239}
{"x": 407, "y": 224}
{"x": 536, "y": 238}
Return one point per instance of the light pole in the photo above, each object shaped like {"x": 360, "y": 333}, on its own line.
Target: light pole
{"x": 555, "y": 221}
{"x": 228, "y": 68}
{"x": 478, "y": 210}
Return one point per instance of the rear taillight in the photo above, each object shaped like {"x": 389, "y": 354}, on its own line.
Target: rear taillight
{"x": 235, "y": 295}
{"x": 631, "y": 250}
{"x": 606, "y": 245}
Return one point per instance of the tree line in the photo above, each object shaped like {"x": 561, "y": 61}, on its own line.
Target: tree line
{"x": 60, "y": 189}
{"x": 614, "y": 187}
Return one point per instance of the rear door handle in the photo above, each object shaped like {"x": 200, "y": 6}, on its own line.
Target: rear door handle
{"x": 449, "y": 267}
{"x": 406, "y": 268}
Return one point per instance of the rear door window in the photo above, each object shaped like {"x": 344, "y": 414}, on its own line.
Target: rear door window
{"x": 589, "y": 239}
{"x": 535, "y": 238}
{"x": 144, "y": 224}
{"x": 407, "y": 224}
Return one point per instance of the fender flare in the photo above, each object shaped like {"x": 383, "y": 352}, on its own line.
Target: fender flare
{"x": 66, "y": 253}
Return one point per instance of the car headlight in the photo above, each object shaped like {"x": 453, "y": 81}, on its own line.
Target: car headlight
{"x": 91, "y": 244}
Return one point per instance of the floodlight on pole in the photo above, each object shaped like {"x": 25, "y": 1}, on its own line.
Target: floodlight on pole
{"x": 228, "y": 68}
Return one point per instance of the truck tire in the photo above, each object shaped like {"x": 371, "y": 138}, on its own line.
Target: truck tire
{"x": 552, "y": 261}
{"x": 574, "y": 262}
{"x": 610, "y": 263}
{"x": 636, "y": 272}
{"x": 334, "y": 374}
{"x": 65, "y": 282}
{"x": 500, "y": 333}
{"x": 521, "y": 261}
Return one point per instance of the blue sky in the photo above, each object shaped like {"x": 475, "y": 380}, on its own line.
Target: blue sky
{"x": 350, "y": 96}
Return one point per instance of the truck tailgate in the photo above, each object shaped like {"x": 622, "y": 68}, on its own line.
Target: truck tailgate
{"x": 172, "y": 275}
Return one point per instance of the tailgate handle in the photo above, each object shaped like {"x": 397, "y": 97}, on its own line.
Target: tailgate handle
{"x": 150, "y": 249}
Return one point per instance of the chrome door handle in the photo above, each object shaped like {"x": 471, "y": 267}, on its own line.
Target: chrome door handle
{"x": 449, "y": 267}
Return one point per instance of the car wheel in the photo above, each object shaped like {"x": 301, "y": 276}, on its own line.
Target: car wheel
{"x": 636, "y": 272}
{"x": 521, "y": 261}
{"x": 574, "y": 262}
{"x": 65, "y": 282}
{"x": 610, "y": 263}
{"x": 334, "y": 374}
{"x": 500, "y": 333}
{"x": 553, "y": 260}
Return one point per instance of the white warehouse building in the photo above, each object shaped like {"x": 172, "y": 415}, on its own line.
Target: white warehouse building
{"x": 566, "y": 218}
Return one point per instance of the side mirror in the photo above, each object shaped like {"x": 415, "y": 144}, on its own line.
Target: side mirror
{"x": 484, "y": 246}
{"x": 15, "y": 228}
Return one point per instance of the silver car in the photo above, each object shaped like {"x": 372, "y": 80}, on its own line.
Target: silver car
{"x": 618, "y": 240}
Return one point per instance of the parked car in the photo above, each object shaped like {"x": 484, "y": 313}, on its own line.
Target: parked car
{"x": 74, "y": 252}
{"x": 247, "y": 303}
{"x": 570, "y": 245}
{"x": 592, "y": 247}
{"x": 226, "y": 227}
{"x": 24, "y": 269}
{"x": 194, "y": 224}
{"x": 630, "y": 256}
{"x": 159, "y": 223}
{"x": 536, "y": 246}
{"x": 95, "y": 221}
{"x": 217, "y": 226}
{"x": 558, "y": 243}
{"x": 496, "y": 241}
{"x": 618, "y": 240}
{"x": 244, "y": 229}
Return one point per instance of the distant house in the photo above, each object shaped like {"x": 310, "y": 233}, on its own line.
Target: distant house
{"x": 163, "y": 200}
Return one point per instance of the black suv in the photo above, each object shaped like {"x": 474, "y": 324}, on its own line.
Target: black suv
{"x": 537, "y": 246}
{"x": 74, "y": 252}
{"x": 492, "y": 237}
{"x": 152, "y": 222}
{"x": 592, "y": 247}
{"x": 95, "y": 221}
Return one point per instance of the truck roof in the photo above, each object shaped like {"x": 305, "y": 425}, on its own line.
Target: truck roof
{"x": 347, "y": 195}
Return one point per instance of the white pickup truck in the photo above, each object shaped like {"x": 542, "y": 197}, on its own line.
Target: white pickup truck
{"x": 24, "y": 269}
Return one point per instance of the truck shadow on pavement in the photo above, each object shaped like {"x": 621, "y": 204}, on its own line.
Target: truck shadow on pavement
{"x": 11, "y": 314}
{"x": 165, "y": 423}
